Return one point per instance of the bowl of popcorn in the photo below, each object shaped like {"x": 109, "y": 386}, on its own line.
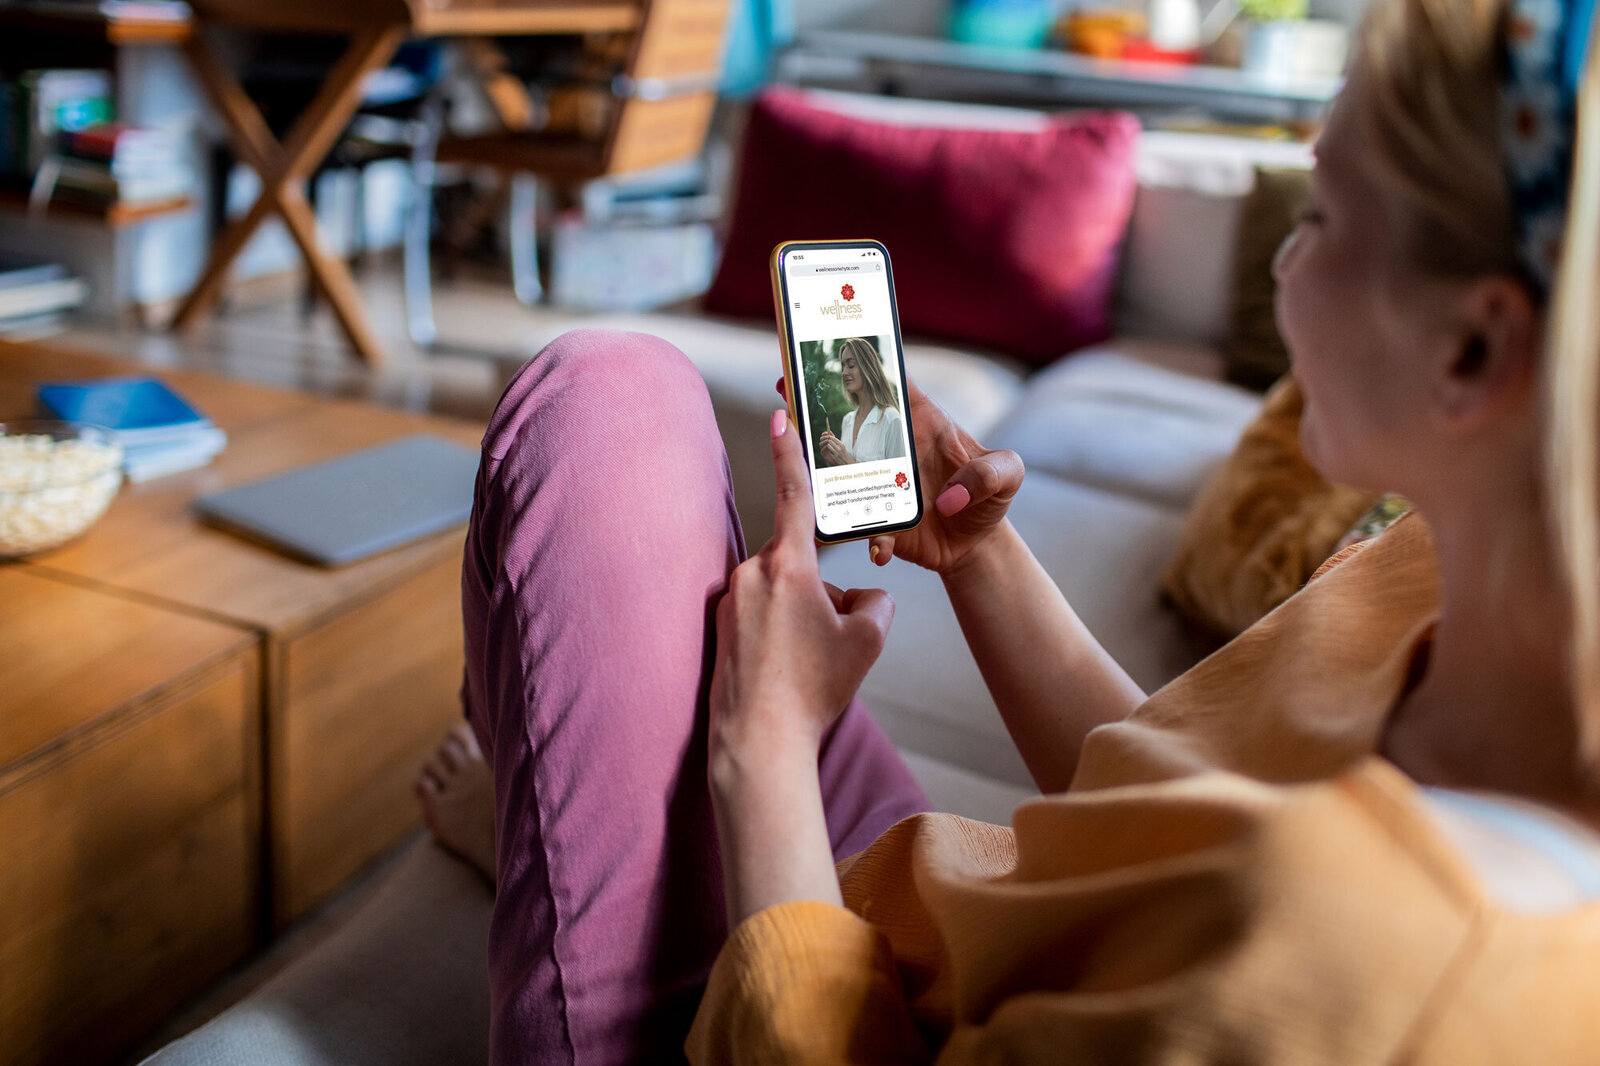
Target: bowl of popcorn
{"x": 56, "y": 479}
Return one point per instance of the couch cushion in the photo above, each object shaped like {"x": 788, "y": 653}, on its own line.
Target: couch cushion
{"x": 1177, "y": 266}
{"x": 1114, "y": 418}
{"x": 1106, "y": 552}
{"x": 404, "y": 981}
{"x": 953, "y": 790}
{"x": 1002, "y": 237}
{"x": 741, "y": 364}
{"x": 741, "y": 361}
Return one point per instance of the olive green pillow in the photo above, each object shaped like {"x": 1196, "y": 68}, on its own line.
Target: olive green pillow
{"x": 1256, "y": 356}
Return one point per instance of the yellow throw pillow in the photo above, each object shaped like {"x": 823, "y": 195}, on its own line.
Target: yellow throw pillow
{"x": 1260, "y": 527}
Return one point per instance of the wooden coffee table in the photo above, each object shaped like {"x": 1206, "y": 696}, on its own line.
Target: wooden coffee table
{"x": 356, "y": 671}
{"x": 130, "y": 814}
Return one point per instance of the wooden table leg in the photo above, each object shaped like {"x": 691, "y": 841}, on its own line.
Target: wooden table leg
{"x": 329, "y": 273}
{"x": 282, "y": 169}
{"x": 254, "y": 144}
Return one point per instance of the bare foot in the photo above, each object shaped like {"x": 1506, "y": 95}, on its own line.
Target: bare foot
{"x": 457, "y": 793}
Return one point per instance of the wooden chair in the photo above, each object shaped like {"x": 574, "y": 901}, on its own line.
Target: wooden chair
{"x": 655, "y": 113}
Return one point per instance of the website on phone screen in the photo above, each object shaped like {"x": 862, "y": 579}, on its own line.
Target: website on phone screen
{"x": 854, "y": 412}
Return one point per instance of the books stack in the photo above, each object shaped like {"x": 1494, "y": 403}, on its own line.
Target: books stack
{"x": 111, "y": 162}
{"x": 34, "y": 294}
{"x": 52, "y": 100}
{"x": 159, "y": 431}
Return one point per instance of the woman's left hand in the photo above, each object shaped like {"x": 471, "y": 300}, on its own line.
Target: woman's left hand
{"x": 791, "y": 649}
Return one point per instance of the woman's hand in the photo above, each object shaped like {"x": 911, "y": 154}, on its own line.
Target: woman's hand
{"x": 833, "y": 450}
{"x": 791, "y": 652}
{"x": 966, "y": 489}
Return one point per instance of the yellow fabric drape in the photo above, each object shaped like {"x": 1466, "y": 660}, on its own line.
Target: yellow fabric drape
{"x": 1236, "y": 877}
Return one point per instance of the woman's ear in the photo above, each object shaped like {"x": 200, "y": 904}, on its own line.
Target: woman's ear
{"x": 1492, "y": 365}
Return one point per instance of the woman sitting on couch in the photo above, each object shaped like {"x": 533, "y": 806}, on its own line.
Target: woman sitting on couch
{"x": 1363, "y": 831}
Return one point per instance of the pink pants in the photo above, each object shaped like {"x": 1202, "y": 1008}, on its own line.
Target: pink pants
{"x": 603, "y": 531}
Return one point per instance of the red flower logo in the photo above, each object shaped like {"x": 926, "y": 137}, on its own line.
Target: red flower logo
{"x": 901, "y": 479}
{"x": 848, "y": 293}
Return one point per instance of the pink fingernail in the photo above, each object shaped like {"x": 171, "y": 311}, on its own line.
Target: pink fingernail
{"x": 952, "y": 499}
{"x": 780, "y": 423}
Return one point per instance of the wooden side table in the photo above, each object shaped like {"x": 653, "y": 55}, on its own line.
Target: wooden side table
{"x": 130, "y": 808}
{"x": 361, "y": 665}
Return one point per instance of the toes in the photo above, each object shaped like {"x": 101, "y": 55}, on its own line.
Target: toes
{"x": 469, "y": 739}
{"x": 453, "y": 752}
{"x": 458, "y": 749}
{"x": 430, "y": 781}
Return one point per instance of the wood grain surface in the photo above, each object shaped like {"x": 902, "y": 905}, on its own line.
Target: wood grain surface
{"x": 150, "y": 544}
{"x": 72, "y": 657}
{"x": 131, "y": 837}
{"x": 366, "y": 698}
{"x": 232, "y": 405}
{"x": 360, "y": 665}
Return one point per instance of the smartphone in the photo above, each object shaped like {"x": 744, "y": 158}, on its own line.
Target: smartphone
{"x": 844, "y": 367}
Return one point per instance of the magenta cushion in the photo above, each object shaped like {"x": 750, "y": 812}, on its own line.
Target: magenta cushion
{"x": 1007, "y": 239}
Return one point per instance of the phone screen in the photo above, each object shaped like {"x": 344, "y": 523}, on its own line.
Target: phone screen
{"x": 848, "y": 372}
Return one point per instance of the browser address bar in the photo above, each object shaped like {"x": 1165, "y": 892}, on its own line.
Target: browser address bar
{"x": 866, "y": 266}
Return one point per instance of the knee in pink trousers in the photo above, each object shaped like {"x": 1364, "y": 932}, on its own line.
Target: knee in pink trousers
{"x": 603, "y": 531}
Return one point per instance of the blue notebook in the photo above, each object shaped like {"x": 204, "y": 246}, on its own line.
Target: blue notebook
{"x": 139, "y": 410}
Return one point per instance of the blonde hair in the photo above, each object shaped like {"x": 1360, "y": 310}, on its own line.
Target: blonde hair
{"x": 1573, "y": 405}
{"x": 870, "y": 363}
{"x": 1432, "y": 70}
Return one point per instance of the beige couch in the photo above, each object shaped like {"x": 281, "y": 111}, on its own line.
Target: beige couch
{"x": 1117, "y": 441}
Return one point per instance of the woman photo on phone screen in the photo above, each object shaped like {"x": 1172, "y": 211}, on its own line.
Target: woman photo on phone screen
{"x": 873, "y": 430}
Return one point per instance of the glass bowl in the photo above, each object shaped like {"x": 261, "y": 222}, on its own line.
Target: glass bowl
{"x": 56, "y": 479}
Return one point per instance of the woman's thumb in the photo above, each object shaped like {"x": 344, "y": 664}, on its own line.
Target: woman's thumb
{"x": 992, "y": 473}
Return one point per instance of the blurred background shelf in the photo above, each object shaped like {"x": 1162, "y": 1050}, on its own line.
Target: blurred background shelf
{"x": 133, "y": 254}
{"x": 903, "y": 65}
{"x": 115, "y": 214}
{"x": 116, "y": 22}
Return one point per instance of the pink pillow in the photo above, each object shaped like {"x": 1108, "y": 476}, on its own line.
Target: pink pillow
{"x": 1005, "y": 238}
